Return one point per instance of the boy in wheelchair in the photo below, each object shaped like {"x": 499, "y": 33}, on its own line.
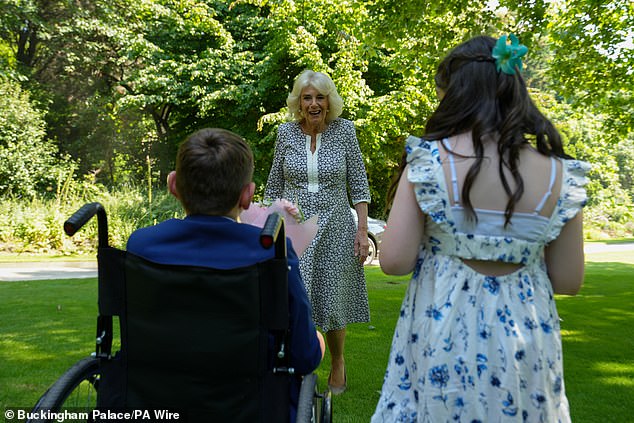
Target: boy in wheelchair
{"x": 213, "y": 182}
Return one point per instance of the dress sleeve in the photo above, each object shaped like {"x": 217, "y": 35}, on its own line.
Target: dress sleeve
{"x": 356, "y": 174}
{"x": 573, "y": 196}
{"x": 275, "y": 182}
{"x": 425, "y": 172}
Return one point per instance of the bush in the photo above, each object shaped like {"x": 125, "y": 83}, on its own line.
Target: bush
{"x": 28, "y": 161}
{"x": 36, "y": 226}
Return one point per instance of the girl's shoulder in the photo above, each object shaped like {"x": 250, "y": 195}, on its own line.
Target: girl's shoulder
{"x": 572, "y": 197}
{"x": 574, "y": 181}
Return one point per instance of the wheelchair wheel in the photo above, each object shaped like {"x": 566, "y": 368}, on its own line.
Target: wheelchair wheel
{"x": 306, "y": 403}
{"x": 325, "y": 415}
{"x": 313, "y": 407}
{"x": 76, "y": 389}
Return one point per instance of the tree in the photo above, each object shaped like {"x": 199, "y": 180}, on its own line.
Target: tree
{"x": 593, "y": 58}
{"x": 382, "y": 57}
{"x": 124, "y": 81}
{"x": 28, "y": 161}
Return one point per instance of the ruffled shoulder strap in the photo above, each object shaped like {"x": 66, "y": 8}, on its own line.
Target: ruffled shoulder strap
{"x": 426, "y": 173}
{"x": 573, "y": 196}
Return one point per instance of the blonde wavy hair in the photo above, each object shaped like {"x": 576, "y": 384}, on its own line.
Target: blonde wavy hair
{"x": 324, "y": 85}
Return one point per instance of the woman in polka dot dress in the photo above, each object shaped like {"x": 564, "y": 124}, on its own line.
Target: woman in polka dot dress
{"x": 317, "y": 160}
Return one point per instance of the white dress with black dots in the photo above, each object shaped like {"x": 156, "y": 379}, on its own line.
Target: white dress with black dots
{"x": 319, "y": 182}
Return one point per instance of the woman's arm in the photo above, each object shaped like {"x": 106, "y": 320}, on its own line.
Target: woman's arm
{"x": 356, "y": 175}
{"x": 565, "y": 258}
{"x": 359, "y": 188}
{"x": 404, "y": 233}
{"x": 361, "y": 243}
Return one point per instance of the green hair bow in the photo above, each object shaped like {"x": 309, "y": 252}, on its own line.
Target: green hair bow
{"x": 509, "y": 56}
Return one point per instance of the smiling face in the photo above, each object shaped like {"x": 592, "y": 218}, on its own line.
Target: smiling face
{"x": 314, "y": 107}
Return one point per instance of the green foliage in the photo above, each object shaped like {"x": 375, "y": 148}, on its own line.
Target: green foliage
{"x": 625, "y": 160}
{"x": 28, "y": 161}
{"x": 594, "y": 57}
{"x": 35, "y": 227}
{"x": 123, "y": 82}
{"x": 610, "y": 206}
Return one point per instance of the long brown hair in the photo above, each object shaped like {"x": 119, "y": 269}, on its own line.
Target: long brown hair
{"x": 480, "y": 99}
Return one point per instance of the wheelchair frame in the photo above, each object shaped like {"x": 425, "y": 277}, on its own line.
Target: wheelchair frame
{"x": 78, "y": 387}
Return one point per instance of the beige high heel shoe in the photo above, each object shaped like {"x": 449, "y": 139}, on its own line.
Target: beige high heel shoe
{"x": 338, "y": 390}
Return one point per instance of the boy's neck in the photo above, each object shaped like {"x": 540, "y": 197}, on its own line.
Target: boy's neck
{"x": 232, "y": 214}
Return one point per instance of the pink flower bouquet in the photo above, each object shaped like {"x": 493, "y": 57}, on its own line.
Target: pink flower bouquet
{"x": 301, "y": 232}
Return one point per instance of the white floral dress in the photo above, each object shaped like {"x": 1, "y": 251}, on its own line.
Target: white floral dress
{"x": 469, "y": 347}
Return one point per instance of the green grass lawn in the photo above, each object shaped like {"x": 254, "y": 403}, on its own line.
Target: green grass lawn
{"x": 46, "y": 326}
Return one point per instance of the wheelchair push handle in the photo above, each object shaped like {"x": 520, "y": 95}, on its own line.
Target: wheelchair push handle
{"x": 273, "y": 233}
{"x": 83, "y": 215}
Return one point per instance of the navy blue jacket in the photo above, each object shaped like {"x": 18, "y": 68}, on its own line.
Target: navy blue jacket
{"x": 222, "y": 243}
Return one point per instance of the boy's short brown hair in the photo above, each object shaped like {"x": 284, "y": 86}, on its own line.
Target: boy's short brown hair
{"x": 212, "y": 167}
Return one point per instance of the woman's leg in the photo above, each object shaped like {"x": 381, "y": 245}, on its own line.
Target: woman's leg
{"x": 336, "y": 340}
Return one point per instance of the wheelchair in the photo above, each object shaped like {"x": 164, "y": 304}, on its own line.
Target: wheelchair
{"x": 193, "y": 341}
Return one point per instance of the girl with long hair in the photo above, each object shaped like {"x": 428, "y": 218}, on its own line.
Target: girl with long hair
{"x": 487, "y": 216}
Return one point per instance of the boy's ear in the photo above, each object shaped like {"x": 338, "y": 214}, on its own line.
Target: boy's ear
{"x": 247, "y": 195}
{"x": 171, "y": 184}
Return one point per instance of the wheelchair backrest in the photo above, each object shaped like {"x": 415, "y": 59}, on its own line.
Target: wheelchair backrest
{"x": 194, "y": 339}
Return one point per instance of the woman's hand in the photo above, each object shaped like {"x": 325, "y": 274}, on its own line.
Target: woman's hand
{"x": 361, "y": 244}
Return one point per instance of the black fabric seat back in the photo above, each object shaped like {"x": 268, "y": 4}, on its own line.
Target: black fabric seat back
{"x": 198, "y": 330}
{"x": 195, "y": 340}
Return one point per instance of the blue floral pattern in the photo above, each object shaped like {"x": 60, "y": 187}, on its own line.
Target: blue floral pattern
{"x": 469, "y": 347}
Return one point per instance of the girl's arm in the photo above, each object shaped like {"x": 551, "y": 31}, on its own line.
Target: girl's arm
{"x": 404, "y": 233}
{"x": 565, "y": 258}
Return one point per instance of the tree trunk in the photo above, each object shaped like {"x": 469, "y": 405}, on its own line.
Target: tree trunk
{"x": 163, "y": 151}
{"x": 27, "y": 43}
